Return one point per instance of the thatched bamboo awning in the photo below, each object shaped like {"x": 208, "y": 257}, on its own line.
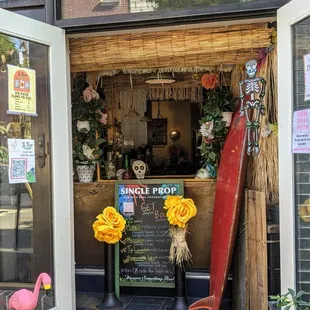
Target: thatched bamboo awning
{"x": 178, "y": 48}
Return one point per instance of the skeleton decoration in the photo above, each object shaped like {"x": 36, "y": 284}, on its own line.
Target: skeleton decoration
{"x": 252, "y": 105}
{"x": 139, "y": 168}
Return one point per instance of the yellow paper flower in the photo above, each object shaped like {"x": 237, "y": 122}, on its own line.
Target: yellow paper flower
{"x": 109, "y": 226}
{"x": 182, "y": 212}
{"x": 111, "y": 217}
{"x": 171, "y": 201}
{"x": 105, "y": 233}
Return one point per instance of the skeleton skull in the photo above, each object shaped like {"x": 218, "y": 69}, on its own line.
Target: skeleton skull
{"x": 251, "y": 68}
{"x": 139, "y": 168}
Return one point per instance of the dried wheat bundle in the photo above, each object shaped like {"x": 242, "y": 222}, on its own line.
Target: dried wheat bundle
{"x": 263, "y": 170}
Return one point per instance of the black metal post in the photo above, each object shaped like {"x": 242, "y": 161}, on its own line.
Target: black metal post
{"x": 110, "y": 299}
{"x": 180, "y": 302}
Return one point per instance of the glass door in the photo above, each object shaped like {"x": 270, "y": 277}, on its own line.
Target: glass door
{"x": 294, "y": 138}
{"x": 36, "y": 205}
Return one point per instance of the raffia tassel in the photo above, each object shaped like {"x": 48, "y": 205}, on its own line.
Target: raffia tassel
{"x": 179, "y": 251}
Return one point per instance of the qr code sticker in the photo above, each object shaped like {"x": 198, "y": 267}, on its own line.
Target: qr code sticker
{"x": 18, "y": 168}
{"x": 128, "y": 208}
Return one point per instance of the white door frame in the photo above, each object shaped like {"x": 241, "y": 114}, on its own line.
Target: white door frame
{"x": 61, "y": 159}
{"x": 288, "y": 15}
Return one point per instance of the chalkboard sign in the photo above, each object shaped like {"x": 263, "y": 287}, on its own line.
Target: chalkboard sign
{"x": 142, "y": 255}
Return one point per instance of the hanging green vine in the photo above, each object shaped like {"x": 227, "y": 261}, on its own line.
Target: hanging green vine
{"x": 213, "y": 129}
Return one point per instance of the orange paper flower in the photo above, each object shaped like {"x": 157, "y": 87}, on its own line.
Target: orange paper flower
{"x": 209, "y": 80}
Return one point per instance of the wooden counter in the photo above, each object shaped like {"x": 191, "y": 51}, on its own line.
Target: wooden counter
{"x": 91, "y": 198}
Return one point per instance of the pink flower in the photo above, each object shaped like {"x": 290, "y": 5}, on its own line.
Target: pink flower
{"x": 89, "y": 94}
{"x": 104, "y": 117}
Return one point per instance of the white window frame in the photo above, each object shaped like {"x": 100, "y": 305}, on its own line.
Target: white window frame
{"x": 61, "y": 159}
{"x": 288, "y": 15}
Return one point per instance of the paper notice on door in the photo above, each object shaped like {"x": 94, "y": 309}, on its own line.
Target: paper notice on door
{"x": 22, "y": 91}
{"x": 307, "y": 76}
{"x": 21, "y": 161}
{"x": 301, "y": 131}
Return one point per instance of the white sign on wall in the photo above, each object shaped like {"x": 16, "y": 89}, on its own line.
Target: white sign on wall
{"x": 307, "y": 76}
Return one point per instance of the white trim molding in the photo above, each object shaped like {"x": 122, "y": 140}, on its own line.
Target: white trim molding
{"x": 288, "y": 15}
{"x": 62, "y": 182}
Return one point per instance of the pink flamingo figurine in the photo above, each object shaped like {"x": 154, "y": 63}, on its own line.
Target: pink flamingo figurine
{"x": 27, "y": 300}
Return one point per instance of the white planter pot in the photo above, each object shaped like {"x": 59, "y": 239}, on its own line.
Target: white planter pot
{"x": 227, "y": 117}
{"x": 83, "y": 124}
{"x": 86, "y": 173}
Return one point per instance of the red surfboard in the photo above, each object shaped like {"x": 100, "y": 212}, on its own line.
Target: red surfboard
{"x": 228, "y": 196}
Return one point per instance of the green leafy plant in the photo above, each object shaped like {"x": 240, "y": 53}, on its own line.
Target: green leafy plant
{"x": 4, "y": 154}
{"x": 290, "y": 299}
{"x": 213, "y": 129}
{"x": 86, "y": 145}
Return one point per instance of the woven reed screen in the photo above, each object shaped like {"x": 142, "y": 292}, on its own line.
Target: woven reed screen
{"x": 196, "y": 47}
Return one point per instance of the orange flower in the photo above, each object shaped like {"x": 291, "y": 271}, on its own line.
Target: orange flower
{"x": 209, "y": 80}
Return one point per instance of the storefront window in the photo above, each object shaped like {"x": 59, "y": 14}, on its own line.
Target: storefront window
{"x": 25, "y": 206}
{"x": 91, "y": 8}
{"x": 301, "y": 43}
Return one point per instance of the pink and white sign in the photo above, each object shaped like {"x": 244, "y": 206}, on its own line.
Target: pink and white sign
{"x": 301, "y": 131}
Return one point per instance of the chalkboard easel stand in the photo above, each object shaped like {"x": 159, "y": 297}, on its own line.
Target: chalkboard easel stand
{"x": 110, "y": 299}
{"x": 179, "y": 302}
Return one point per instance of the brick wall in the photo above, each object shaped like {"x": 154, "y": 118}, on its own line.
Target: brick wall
{"x": 301, "y": 41}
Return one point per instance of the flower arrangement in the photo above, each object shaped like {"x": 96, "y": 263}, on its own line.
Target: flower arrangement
{"x": 87, "y": 115}
{"x": 179, "y": 211}
{"x": 213, "y": 128}
{"x": 109, "y": 226}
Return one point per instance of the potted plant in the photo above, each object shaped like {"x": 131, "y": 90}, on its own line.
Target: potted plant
{"x": 214, "y": 126}
{"x": 87, "y": 112}
{"x": 289, "y": 300}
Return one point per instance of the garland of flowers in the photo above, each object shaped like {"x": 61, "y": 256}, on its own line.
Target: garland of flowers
{"x": 88, "y": 118}
{"x": 213, "y": 129}
{"x": 109, "y": 226}
{"x": 179, "y": 211}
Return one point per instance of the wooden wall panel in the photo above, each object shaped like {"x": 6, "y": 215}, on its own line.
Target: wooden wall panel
{"x": 257, "y": 250}
{"x": 90, "y": 199}
{"x": 250, "y": 288}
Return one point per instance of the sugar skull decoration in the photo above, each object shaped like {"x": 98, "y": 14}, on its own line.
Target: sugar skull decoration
{"x": 139, "y": 168}
{"x": 252, "y": 92}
